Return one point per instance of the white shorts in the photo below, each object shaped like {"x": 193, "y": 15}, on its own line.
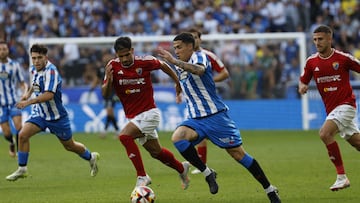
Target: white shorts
{"x": 147, "y": 122}
{"x": 346, "y": 120}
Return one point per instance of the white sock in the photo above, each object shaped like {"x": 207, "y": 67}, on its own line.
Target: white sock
{"x": 206, "y": 172}
{"x": 270, "y": 189}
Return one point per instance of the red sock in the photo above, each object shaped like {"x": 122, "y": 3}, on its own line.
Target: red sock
{"x": 335, "y": 157}
{"x": 133, "y": 153}
{"x": 202, "y": 153}
{"x": 168, "y": 158}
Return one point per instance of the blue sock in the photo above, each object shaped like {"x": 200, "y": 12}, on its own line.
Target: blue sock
{"x": 23, "y": 158}
{"x": 86, "y": 155}
{"x": 246, "y": 161}
{"x": 182, "y": 145}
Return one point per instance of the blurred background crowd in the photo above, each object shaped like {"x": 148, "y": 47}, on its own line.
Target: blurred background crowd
{"x": 257, "y": 70}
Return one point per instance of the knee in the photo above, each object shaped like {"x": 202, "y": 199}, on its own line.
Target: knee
{"x": 325, "y": 136}
{"x": 23, "y": 138}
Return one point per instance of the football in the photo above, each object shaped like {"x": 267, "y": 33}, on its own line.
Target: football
{"x": 142, "y": 194}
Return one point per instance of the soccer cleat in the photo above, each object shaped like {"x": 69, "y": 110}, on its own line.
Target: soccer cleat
{"x": 185, "y": 181}
{"x": 12, "y": 152}
{"x": 341, "y": 182}
{"x": 274, "y": 195}
{"x": 211, "y": 180}
{"x": 143, "y": 180}
{"x": 195, "y": 171}
{"x": 93, "y": 163}
{"x": 19, "y": 173}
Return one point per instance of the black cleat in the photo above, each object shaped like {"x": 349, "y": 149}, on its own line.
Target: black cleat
{"x": 274, "y": 196}
{"x": 211, "y": 180}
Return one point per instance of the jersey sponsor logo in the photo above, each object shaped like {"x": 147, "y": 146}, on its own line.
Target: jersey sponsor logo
{"x": 331, "y": 78}
{"x": 317, "y": 69}
{"x": 4, "y": 75}
{"x": 330, "y": 89}
{"x": 228, "y": 140}
{"x": 36, "y": 88}
{"x": 131, "y": 91}
{"x": 137, "y": 81}
{"x": 335, "y": 65}
{"x": 139, "y": 71}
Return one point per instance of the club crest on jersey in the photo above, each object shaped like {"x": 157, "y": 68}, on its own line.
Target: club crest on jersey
{"x": 335, "y": 65}
{"x": 139, "y": 71}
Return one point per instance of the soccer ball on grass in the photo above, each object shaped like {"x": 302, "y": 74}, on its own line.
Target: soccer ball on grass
{"x": 142, "y": 194}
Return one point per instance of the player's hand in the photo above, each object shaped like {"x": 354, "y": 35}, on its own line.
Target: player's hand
{"x": 165, "y": 55}
{"x": 303, "y": 88}
{"x": 22, "y": 104}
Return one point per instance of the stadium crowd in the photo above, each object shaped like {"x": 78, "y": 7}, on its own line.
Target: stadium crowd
{"x": 262, "y": 70}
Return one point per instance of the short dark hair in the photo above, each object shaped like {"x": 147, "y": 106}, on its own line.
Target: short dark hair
{"x": 3, "y": 42}
{"x": 38, "y": 48}
{"x": 323, "y": 28}
{"x": 122, "y": 43}
{"x": 185, "y": 37}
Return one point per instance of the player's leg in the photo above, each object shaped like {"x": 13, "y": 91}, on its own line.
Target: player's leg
{"x": 127, "y": 137}
{"x": 5, "y": 127}
{"x": 17, "y": 120}
{"x": 202, "y": 152}
{"x": 162, "y": 154}
{"x": 182, "y": 138}
{"x": 340, "y": 120}
{"x": 62, "y": 129}
{"x": 354, "y": 140}
{"x": 27, "y": 131}
{"x": 239, "y": 154}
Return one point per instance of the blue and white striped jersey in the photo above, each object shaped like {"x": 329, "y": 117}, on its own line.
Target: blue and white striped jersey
{"x": 200, "y": 91}
{"x": 10, "y": 76}
{"x": 50, "y": 80}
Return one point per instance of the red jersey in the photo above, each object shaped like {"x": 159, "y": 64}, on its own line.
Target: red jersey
{"x": 133, "y": 84}
{"x": 216, "y": 64}
{"x": 332, "y": 78}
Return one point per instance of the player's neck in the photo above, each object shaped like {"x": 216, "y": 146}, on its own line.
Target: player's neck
{"x": 327, "y": 53}
{"x": 5, "y": 60}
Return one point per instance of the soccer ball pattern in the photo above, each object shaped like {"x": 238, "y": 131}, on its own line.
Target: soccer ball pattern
{"x": 142, "y": 194}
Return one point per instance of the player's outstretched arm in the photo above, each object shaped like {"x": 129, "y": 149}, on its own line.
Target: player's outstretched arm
{"x": 192, "y": 68}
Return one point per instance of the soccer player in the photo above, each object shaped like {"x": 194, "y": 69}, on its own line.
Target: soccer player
{"x": 221, "y": 74}
{"x": 129, "y": 76}
{"x": 330, "y": 69}
{"x": 47, "y": 112}
{"x": 10, "y": 76}
{"x": 208, "y": 115}
{"x": 109, "y": 103}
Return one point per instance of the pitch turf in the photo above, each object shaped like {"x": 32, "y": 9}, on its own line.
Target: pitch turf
{"x": 295, "y": 161}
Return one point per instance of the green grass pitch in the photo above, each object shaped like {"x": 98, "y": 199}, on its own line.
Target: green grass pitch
{"x": 295, "y": 161}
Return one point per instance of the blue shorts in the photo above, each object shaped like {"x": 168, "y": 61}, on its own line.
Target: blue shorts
{"x": 61, "y": 127}
{"x": 7, "y": 112}
{"x": 219, "y": 128}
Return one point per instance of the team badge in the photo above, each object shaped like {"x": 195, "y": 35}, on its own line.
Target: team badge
{"x": 139, "y": 71}
{"x": 335, "y": 65}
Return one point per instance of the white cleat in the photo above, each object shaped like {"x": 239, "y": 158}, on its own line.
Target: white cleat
{"x": 185, "y": 181}
{"x": 19, "y": 173}
{"x": 143, "y": 180}
{"x": 195, "y": 171}
{"x": 93, "y": 163}
{"x": 341, "y": 182}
